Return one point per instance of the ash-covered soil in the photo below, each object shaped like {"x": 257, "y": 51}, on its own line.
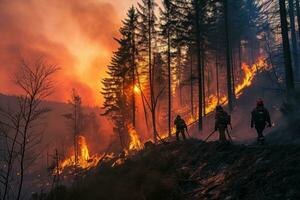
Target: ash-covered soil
{"x": 196, "y": 170}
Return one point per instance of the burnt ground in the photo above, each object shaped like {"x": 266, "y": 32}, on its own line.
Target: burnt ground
{"x": 263, "y": 87}
{"x": 196, "y": 170}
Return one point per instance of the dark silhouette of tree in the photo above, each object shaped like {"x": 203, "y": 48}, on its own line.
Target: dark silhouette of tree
{"x": 34, "y": 78}
{"x": 170, "y": 22}
{"x": 118, "y": 88}
{"x": 147, "y": 33}
{"x": 228, "y": 57}
{"x": 289, "y": 79}
{"x": 294, "y": 39}
{"x": 76, "y": 119}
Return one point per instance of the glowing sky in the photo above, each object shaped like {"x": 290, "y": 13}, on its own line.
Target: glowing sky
{"x": 77, "y": 35}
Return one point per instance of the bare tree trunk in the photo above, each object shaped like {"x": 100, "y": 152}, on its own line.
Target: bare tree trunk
{"x": 150, "y": 73}
{"x": 298, "y": 15}
{"x": 294, "y": 39}
{"x": 240, "y": 58}
{"x": 217, "y": 77}
{"x": 133, "y": 77}
{"x": 75, "y": 140}
{"x": 191, "y": 85}
{"x": 179, "y": 71}
{"x": 232, "y": 61}
{"x": 121, "y": 138}
{"x": 203, "y": 77}
{"x": 11, "y": 153}
{"x": 57, "y": 167}
{"x": 286, "y": 50}
{"x": 143, "y": 98}
{"x": 228, "y": 49}
{"x": 169, "y": 82}
{"x": 23, "y": 147}
{"x": 199, "y": 69}
{"x": 36, "y": 85}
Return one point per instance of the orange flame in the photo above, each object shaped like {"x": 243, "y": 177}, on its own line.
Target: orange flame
{"x": 136, "y": 89}
{"x": 84, "y": 160}
{"x": 135, "y": 142}
{"x": 249, "y": 74}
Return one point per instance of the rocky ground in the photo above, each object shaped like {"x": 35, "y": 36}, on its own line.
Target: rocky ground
{"x": 196, "y": 170}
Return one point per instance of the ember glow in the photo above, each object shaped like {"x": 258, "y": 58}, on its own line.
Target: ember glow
{"x": 136, "y": 89}
{"x": 249, "y": 73}
{"x": 84, "y": 160}
{"x": 68, "y": 34}
{"x": 135, "y": 142}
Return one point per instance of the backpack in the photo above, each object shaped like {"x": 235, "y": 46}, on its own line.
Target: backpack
{"x": 180, "y": 124}
{"x": 225, "y": 118}
{"x": 260, "y": 116}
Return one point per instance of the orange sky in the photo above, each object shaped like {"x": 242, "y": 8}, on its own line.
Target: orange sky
{"x": 76, "y": 35}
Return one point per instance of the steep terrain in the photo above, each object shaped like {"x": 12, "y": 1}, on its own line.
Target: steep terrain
{"x": 196, "y": 170}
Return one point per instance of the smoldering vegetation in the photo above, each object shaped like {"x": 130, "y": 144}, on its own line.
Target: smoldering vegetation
{"x": 194, "y": 170}
{"x": 163, "y": 66}
{"x": 52, "y": 133}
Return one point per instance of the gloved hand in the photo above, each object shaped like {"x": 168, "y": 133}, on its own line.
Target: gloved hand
{"x": 270, "y": 125}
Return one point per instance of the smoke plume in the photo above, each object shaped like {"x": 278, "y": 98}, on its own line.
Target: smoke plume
{"x": 76, "y": 35}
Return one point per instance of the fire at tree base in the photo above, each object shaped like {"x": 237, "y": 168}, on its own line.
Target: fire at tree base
{"x": 196, "y": 170}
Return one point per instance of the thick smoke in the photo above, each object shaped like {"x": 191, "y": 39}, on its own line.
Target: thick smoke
{"x": 76, "y": 35}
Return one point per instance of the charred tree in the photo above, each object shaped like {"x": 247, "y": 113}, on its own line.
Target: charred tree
{"x": 167, "y": 29}
{"x": 76, "y": 117}
{"x": 36, "y": 82}
{"x": 169, "y": 68}
{"x": 146, "y": 33}
{"x": 228, "y": 57}
{"x": 129, "y": 29}
{"x": 294, "y": 39}
{"x": 203, "y": 77}
{"x": 217, "y": 77}
{"x": 119, "y": 88}
{"x": 191, "y": 84}
{"x": 298, "y": 15}
{"x": 197, "y": 32}
{"x": 289, "y": 78}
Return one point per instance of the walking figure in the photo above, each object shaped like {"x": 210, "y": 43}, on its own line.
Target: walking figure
{"x": 222, "y": 121}
{"x": 260, "y": 117}
{"x": 180, "y": 127}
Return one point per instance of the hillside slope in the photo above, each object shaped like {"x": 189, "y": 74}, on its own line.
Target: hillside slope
{"x": 197, "y": 170}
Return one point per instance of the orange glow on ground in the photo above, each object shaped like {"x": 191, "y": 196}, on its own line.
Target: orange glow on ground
{"x": 249, "y": 74}
{"x": 85, "y": 161}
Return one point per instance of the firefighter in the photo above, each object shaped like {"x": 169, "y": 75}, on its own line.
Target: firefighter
{"x": 260, "y": 117}
{"x": 180, "y": 127}
{"x": 222, "y": 120}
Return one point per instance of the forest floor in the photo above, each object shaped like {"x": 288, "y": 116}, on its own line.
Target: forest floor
{"x": 193, "y": 169}
{"x": 241, "y": 132}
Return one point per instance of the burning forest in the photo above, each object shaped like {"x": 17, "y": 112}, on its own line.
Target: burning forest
{"x": 166, "y": 99}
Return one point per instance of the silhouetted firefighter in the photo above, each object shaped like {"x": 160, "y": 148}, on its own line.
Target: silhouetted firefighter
{"x": 222, "y": 121}
{"x": 260, "y": 117}
{"x": 180, "y": 127}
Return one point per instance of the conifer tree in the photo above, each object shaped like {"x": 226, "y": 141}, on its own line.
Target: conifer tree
{"x": 118, "y": 88}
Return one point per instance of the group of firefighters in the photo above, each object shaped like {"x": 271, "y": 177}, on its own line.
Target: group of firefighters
{"x": 260, "y": 118}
